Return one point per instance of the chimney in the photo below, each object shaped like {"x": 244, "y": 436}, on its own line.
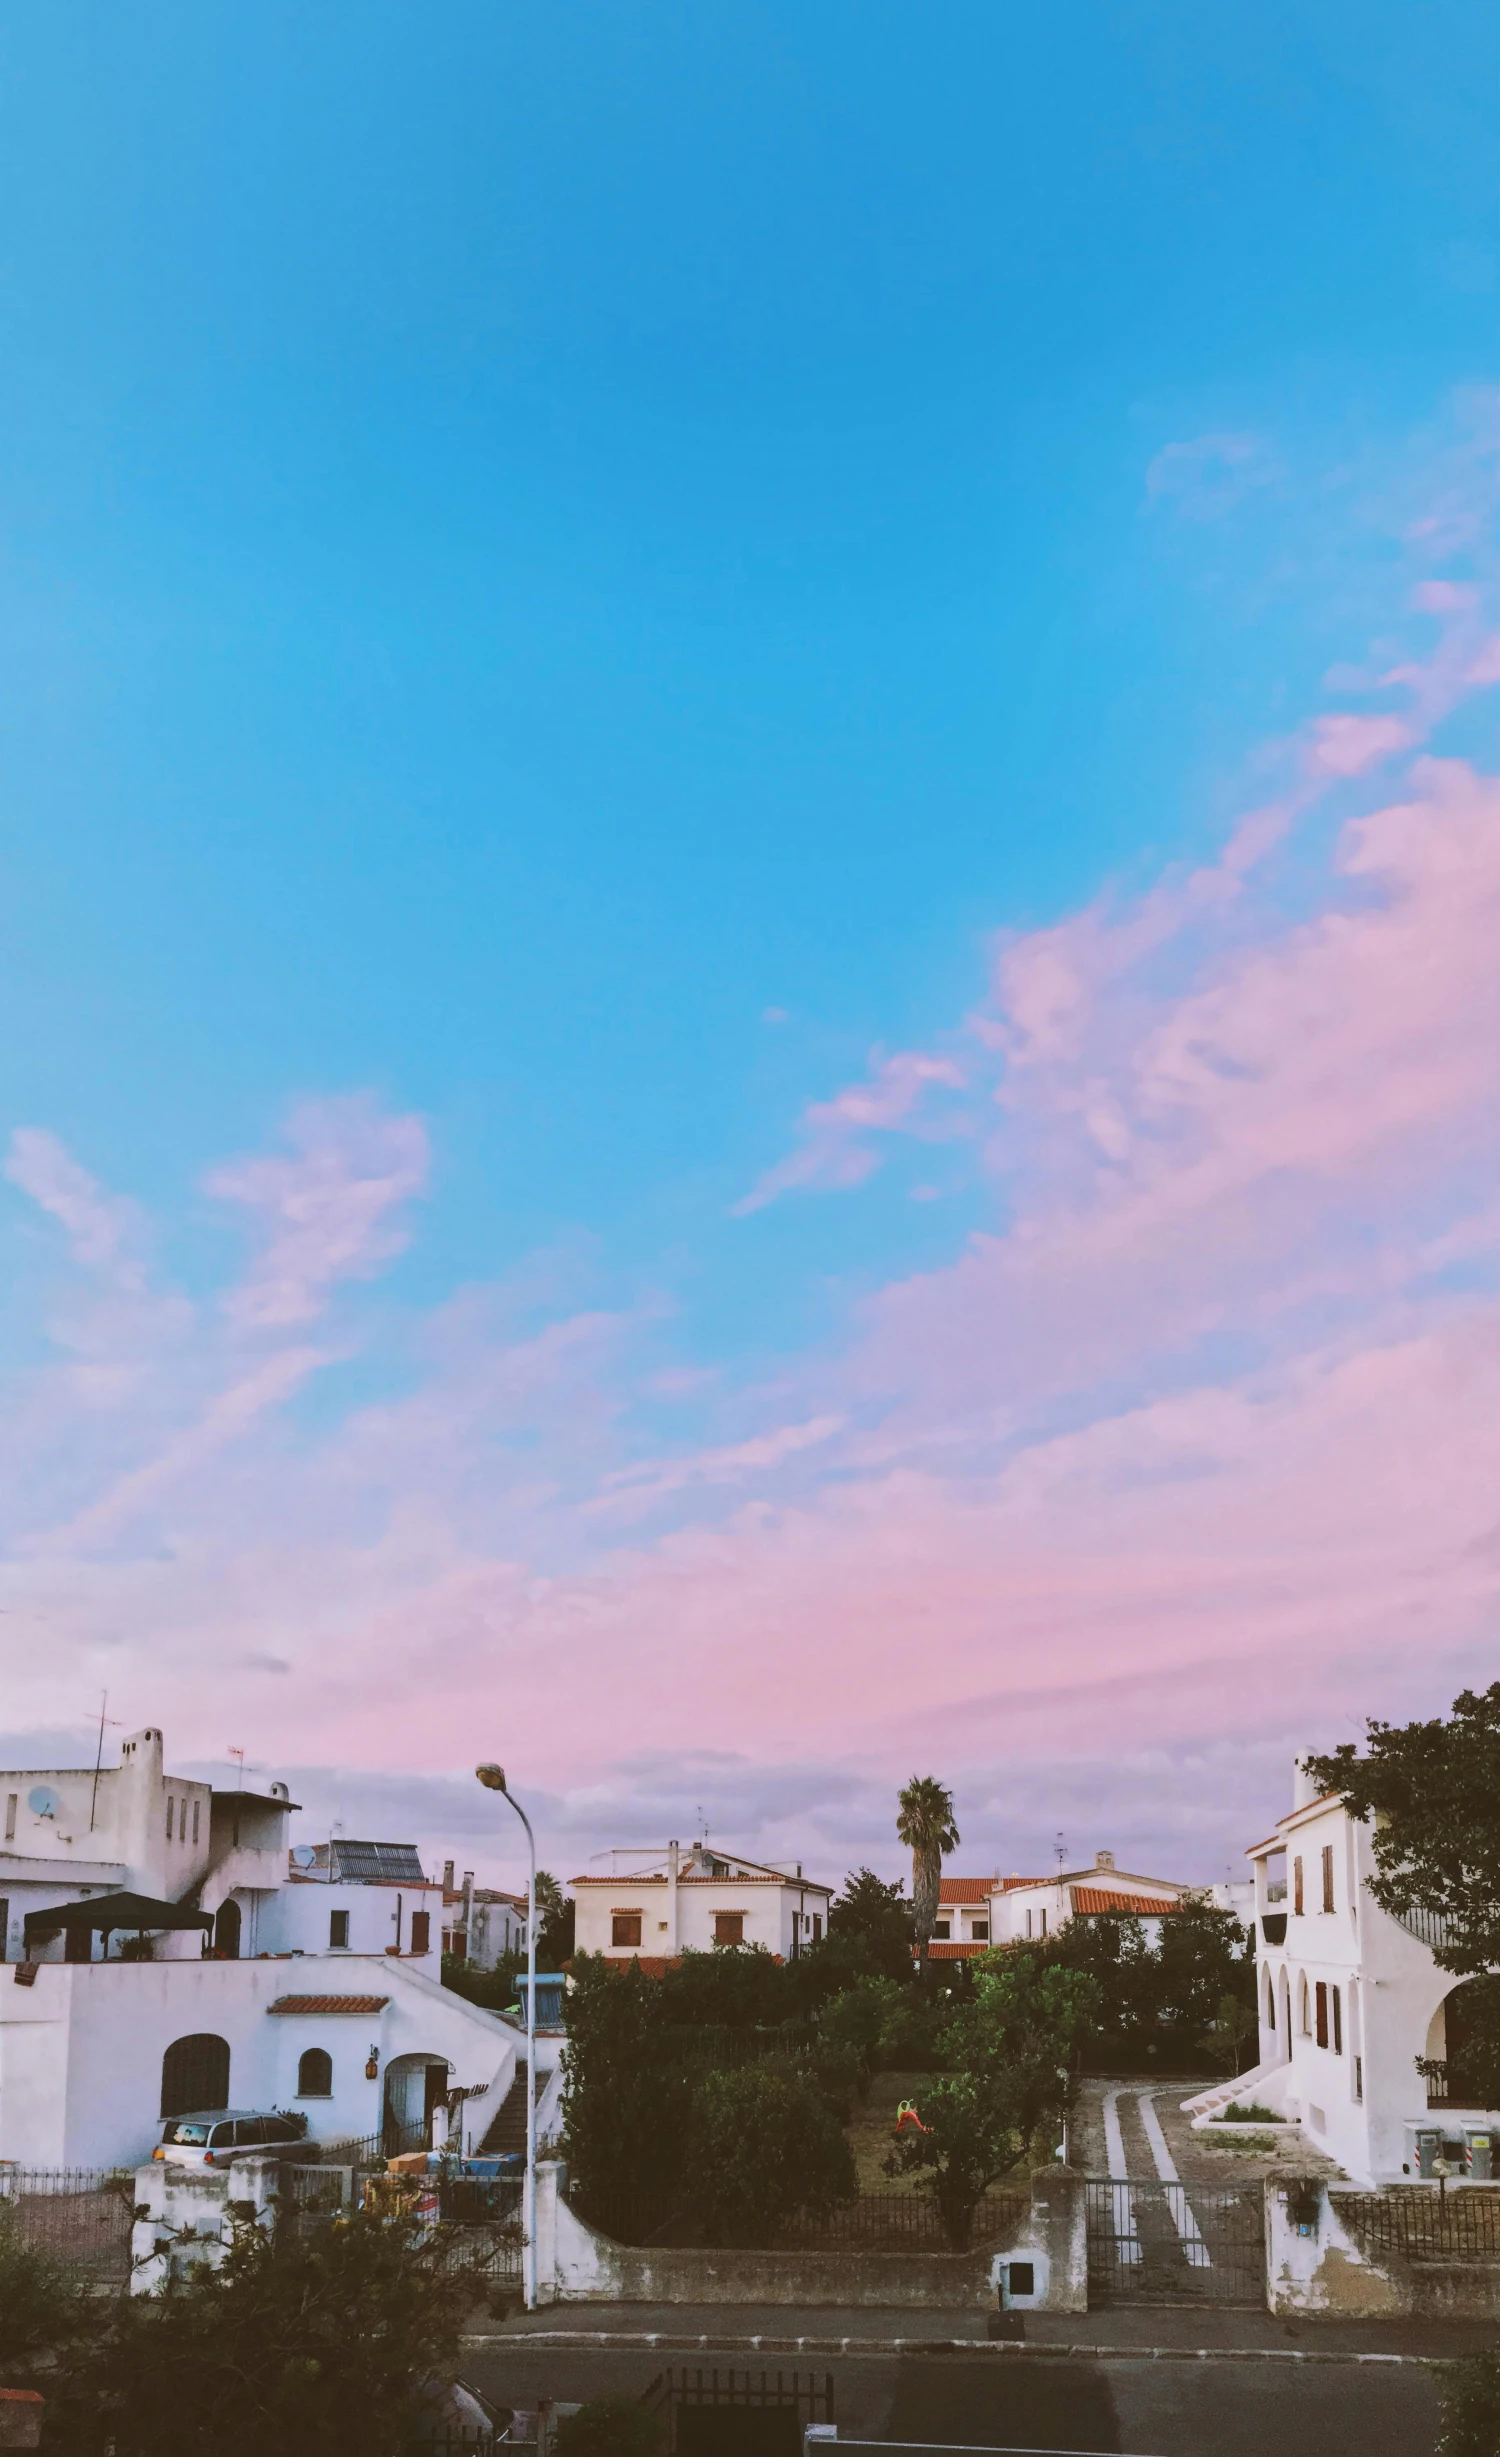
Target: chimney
{"x": 1304, "y": 1789}
{"x": 1104, "y": 1859}
{"x": 447, "y": 1876}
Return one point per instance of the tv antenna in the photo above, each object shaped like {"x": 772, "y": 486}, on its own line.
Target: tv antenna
{"x": 104, "y": 1718}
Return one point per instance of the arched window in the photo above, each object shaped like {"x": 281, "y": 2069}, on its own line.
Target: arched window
{"x": 195, "y": 2073}
{"x": 1270, "y": 2002}
{"x": 315, "y": 2074}
{"x": 227, "y": 1931}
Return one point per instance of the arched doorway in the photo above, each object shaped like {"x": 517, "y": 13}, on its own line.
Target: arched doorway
{"x": 1460, "y": 2070}
{"x": 195, "y": 2073}
{"x": 413, "y": 2087}
{"x": 1284, "y": 2024}
{"x": 227, "y": 1930}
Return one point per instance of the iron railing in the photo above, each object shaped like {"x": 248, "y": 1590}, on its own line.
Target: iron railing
{"x": 1424, "y": 2226}
{"x": 895, "y": 2221}
{"x": 80, "y": 2217}
{"x": 1432, "y": 1928}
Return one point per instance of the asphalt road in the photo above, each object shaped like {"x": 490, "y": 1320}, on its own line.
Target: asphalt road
{"x": 1218, "y": 2407}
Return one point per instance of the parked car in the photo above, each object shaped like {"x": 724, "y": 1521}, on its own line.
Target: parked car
{"x": 218, "y": 2136}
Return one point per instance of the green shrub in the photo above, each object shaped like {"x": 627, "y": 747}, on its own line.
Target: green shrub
{"x": 610, "y": 2427}
{"x": 1246, "y": 2111}
{"x": 762, "y": 2148}
{"x": 1469, "y": 2395}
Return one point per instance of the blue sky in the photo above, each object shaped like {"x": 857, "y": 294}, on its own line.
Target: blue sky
{"x": 568, "y": 574}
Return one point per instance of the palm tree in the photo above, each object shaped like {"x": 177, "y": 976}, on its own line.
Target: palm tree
{"x": 926, "y": 1823}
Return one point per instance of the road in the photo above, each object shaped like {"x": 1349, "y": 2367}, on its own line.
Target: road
{"x": 1218, "y": 2407}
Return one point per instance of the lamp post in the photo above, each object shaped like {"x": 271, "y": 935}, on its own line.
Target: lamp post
{"x": 493, "y": 1779}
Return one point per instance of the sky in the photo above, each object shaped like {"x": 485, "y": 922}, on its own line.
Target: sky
{"x": 749, "y": 901}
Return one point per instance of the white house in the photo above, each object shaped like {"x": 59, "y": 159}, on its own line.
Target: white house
{"x": 481, "y": 1923}
{"x": 655, "y": 1905}
{"x": 975, "y": 1913}
{"x": 162, "y": 1939}
{"x": 1350, "y": 1997}
{"x": 94, "y": 2055}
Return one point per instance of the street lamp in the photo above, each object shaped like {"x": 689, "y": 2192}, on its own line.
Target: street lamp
{"x": 493, "y": 1779}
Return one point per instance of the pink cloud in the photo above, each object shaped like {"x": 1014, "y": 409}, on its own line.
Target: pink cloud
{"x": 1348, "y": 745}
{"x": 324, "y": 1211}
{"x": 100, "y": 1228}
{"x": 832, "y": 1149}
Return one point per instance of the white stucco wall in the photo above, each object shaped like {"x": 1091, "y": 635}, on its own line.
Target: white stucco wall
{"x": 1356, "y": 2104}
{"x": 678, "y": 1918}
{"x": 81, "y": 2049}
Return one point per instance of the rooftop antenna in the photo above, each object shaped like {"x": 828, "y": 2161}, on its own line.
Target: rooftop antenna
{"x": 239, "y": 1756}
{"x": 99, "y": 1755}
{"x": 1060, "y": 1846}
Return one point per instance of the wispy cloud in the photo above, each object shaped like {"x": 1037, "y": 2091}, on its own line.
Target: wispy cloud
{"x": 324, "y": 1211}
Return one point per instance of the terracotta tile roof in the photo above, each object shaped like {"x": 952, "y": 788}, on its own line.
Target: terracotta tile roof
{"x": 1087, "y": 1898}
{"x": 952, "y": 1949}
{"x": 329, "y": 2004}
{"x": 966, "y": 1889}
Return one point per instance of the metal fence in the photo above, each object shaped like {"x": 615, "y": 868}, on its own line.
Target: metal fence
{"x": 894, "y": 2221}
{"x": 467, "y": 2222}
{"x": 1420, "y": 2224}
{"x": 80, "y": 2217}
{"x": 1165, "y": 2243}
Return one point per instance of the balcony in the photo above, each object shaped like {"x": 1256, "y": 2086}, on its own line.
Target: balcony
{"x": 1428, "y": 1927}
{"x": 1273, "y": 1927}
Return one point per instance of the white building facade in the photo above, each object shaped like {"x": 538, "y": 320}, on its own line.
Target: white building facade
{"x": 1349, "y": 1999}
{"x": 659, "y": 1904}
{"x": 975, "y": 1913}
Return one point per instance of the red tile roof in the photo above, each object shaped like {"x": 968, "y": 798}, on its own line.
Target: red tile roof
{"x": 966, "y": 1889}
{"x": 328, "y": 2004}
{"x": 1088, "y": 1898}
{"x": 953, "y": 1949}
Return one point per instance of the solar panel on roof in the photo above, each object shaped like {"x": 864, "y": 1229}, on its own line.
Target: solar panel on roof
{"x": 378, "y": 1863}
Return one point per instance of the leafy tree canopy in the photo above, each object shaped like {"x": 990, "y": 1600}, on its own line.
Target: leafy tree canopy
{"x": 763, "y": 2147}
{"x": 1432, "y": 1793}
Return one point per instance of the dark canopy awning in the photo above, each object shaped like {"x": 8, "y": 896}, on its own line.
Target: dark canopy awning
{"x": 107, "y": 1911}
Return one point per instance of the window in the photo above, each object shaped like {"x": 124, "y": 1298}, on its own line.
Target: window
{"x": 1338, "y": 2023}
{"x": 4, "y": 1929}
{"x": 1028, "y": 1923}
{"x": 315, "y": 2074}
{"x": 979, "y": 1930}
{"x": 1270, "y": 2003}
{"x": 227, "y": 1930}
{"x": 197, "y": 1805}
{"x": 12, "y": 1803}
{"x": 171, "y": 1804}
{"x": 194, "y": 2073}
{"x": 1297, "y": 1887}
{"x": 625, "y": 1928}
{"x": 1322, "y": 2006}
{"x": 1043, "y": 1929}
{"x": 421, "y": 1931}
{"x": 1359, "y": 2077}
{"x": 1328, "y": 1876}
{"x": 729, "y": 1928}
{"x": 942, "y": 1928}
{"x": 817, "y": 1928}
{"x": 338, "y": 1929}
{"x": 1305, "y": 2007}
{"x": 249, "y": 2132}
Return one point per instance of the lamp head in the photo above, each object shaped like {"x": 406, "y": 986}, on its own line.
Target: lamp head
{"x": 492, "y": 1777}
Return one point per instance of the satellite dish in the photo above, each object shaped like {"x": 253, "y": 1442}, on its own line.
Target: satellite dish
{"x": 304, "y": 1856}
{"x": 43, "y": 1800}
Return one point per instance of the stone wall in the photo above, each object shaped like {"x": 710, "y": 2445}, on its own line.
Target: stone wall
{"x": 575, "y": 2264}
{"x": 1321, "y": 2258}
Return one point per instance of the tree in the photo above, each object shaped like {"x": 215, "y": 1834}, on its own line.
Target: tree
{"x": 871, "y": 1922}
{"x": 554, "y": 1936}
{"x": 301, "y": 2346}
{"x": 925, "y": 1824}
{"x": 1469, "y": 2401}
{"x": 1009, "y": 2050}
{"x": 628, "y": 2095}
{"x": 1432, "y": 1794}
{"x": 46, "y": 2313}
{"x": 763, "y": 2147}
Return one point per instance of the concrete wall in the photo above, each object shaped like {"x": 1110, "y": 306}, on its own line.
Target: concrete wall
{"x": 575, "y": 2264}
{"x": 1316, "y": 2263}
{"x": 185, "y": 2220}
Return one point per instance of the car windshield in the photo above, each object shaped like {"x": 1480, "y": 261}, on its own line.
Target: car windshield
{"x": 193, "y": 2134}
